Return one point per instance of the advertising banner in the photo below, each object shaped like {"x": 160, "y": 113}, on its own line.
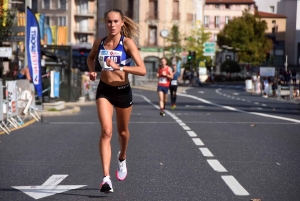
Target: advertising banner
{"x": 33, "y": 47}
{"x": 54, "y": 91}
{"x": 12, "y": 98}
{"x": 25, "y": 96}
{"x": 1, "y": 102}
{"x": 267, "y": 71}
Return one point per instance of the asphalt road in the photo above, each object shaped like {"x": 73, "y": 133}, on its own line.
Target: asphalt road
{"x": 220, "y": 143}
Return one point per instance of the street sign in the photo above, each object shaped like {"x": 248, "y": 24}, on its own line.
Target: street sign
{"x": 209, "y": 48}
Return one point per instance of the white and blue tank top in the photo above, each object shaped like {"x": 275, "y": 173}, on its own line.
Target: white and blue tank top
{"x": 118, "y": 55}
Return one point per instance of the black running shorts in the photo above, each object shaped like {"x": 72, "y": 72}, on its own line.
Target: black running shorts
{"x": 118, "y": 96}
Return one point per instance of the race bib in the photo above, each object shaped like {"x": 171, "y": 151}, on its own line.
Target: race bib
{"x": 173, "y": 82}
{"x": 162, "y": 80}
{"x": 112, "y": 54}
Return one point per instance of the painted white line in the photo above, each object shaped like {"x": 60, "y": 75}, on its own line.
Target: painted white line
{"x": 50, "y": 187}
{"x": 243, "y": 100}
{"x": 198, "y": 142}
{"x": 178, "y": 120}
{"x": 216, "y": 165}
{"x": 206, "y": 152}
{"x": 236, "y": 94}
{"x": 235, "y": 186}
{"x": 256, "y": 103}
{"x": 192, "y": 133}
{"x": 237, "y": 110}
{"x": 264, "y": 105}
{"x": 238, "y": 99}
{"x": 193, "y": 106}
{"x": 201, "y": 92}
{"x": 182, "y": 124}
{"x": 186, "y": 128}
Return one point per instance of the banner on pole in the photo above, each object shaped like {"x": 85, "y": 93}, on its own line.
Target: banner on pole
{"x": 34, "y": 50}
{"x": 54, "y": 92}
{"x": 1, "y": 102}
{"x": 12, "y": 98}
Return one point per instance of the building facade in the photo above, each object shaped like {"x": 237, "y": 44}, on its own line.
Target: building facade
{"x": 290, "y": 9}
{"x": 153, "y": 16}
{"x": 79, "y": 16}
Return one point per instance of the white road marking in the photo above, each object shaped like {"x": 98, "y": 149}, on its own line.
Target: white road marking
{"x": 243, "y": 100}
{"x": 198, "y": 142}
{"x": 50, "y": 187}
{"x": 192, "y": 133}
{"x": 193, "y": 106}
{"x": 234, "y": 185}
{"x": 235, "y": 94}
{"x": 206, "y": 152}
{"x": 182, "y": 124}
{"x": 201, "y": 92}
{"x": 256, "y": 103}
{"x": 216, "y": 165}
{"x": 186, "y": 128}
{"x": 242, "y": 111}
{"x": 263, "y": 105}
{"x": 178, "y": 120}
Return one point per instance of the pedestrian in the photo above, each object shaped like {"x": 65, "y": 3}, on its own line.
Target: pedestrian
{"x": 173, "y": 87}
{"x": 164, "y": 75}
{"x": 294, "y": 73}
{"x": 116, "y": 50}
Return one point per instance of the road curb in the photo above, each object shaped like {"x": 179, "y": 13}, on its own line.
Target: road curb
{"x": 24, "y": 125}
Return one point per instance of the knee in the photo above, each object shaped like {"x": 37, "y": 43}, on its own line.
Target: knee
{"x": 106, "y": 133}
{"x": 123, "y": 132}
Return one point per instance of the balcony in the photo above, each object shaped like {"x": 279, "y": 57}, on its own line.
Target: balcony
{"x": 152, "y": 15}
{"x": 85, "y": 30}
{"x": 175, "y": 16}
{"x": 86, "y": 13}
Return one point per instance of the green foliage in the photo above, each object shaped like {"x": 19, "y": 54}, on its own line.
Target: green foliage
{"x": 174, "y": 43}
{"x": 195, "y": 43}
{"x": 230, "y": 66}
{"x": 247, "y": 35}
{"x": 7, "y": 18}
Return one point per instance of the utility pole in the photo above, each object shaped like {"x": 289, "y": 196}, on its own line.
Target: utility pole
{"x": 27, "y": 3}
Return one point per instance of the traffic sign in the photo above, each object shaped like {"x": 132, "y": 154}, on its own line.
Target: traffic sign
{"x": 209, "y": 48}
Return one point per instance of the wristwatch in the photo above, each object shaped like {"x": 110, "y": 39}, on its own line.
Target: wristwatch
{"x": 121, "y": 67}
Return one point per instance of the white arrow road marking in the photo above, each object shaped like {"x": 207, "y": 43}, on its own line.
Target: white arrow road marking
{"x": 50, "y": 187}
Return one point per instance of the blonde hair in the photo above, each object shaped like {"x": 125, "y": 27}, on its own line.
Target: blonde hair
{"x": 130, "y": 29}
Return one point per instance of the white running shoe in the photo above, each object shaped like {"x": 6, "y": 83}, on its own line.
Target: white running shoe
{"x": 106, "y": 186}
{"x": 122, "y": 169}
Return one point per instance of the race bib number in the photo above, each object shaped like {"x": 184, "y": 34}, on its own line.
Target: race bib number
{"x": 112, "y": 54}
{"x": 162, "y": 80}
{"x": 173, "y": 82}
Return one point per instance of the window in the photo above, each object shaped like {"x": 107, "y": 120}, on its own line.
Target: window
{"x": 46, "y": 4}
{"x": 227, "y": 18}
{"x": 47, "y": 21}
{"x": 227, "y": 6}
{"x": 61, "y": 21}
{"x": 217, "y": 6}
{"x": 152, "y": 35}
{"x": 215, "y": 37}
{"x": 272, "y": 9}
{"x": 217, "y": 21}
{"x": 175, "y": 10}
{"x": 81, "y": 38}
{"x": 153, "y": 9}
{"x": 206, "y": 21}
{"x": 62, "y": 4}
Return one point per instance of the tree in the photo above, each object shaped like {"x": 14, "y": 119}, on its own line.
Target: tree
{"x": 174, "y": 43}
{"x": 230, "y": 66}
{"x": 247, "y": 35}
{"x": 195, "y": 41}
{"x": 7, "y": 17}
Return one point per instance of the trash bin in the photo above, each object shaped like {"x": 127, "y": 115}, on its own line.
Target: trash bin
{"x": 248, "y": 85}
